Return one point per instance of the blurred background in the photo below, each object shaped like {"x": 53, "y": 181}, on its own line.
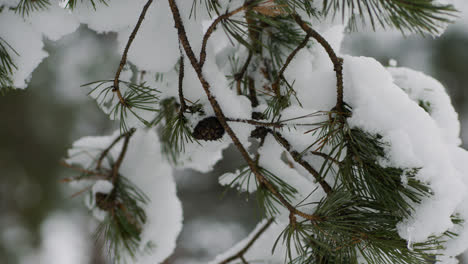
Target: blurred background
{"x": 41, "y": 223}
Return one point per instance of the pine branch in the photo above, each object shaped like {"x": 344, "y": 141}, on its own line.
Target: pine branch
{"x": 222, "y": 118}
{"x": 125, "y": 217}
{"x": 419, "y": 16}
{"x": 123, "y": 61}
{"x": 255, "y": 122}
{"x": 6, "y": 65}
{"x": 72, "y": 4}
{"x": 25, "y": 7}
{"x": 137, "y": 97}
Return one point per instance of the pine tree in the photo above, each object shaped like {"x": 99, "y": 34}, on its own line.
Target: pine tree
{"x": 332, "y": 184}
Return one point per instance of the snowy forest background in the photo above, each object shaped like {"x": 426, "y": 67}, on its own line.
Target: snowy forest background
{"x": 40, "y": 223}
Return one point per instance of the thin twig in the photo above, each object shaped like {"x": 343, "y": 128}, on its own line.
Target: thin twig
{"x": 275, "y": 85}
{"x": 183, "y": 105}
{"x": 106, "y": 151}
{"x": 96, "y": 174}
{"x": 241, "y": 252}
{"x": 337, "y": 61}
{"x": 238, "y": 76}
{"x": 212, "y": 27}
{"x": 255, "y": 122}
{"x": 252, "y": 93}
{"x": 297, "y": 157}
{"x": 123, "y": 61}
{"x": 222, "y": 118}
{"x": 118, "y": 162}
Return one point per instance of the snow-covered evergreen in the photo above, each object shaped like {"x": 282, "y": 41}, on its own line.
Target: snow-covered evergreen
{"x": 351, "y": 161}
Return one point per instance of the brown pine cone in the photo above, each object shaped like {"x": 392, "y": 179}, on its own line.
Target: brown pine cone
{"x": 208, "y": 129}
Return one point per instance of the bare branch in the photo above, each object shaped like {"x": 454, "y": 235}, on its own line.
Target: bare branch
{"x": 275, "y": 85}
{"x": 118, "y": 162}
{"x": 123, "y": 61}
{"x": 183, "y": 105}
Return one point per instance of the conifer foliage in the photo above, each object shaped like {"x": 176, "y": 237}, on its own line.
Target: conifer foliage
{"x": 347, "y": 165}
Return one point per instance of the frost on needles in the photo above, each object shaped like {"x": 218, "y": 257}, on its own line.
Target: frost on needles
{"x": 350, "y": 162}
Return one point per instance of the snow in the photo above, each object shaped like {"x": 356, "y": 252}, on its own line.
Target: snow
{"x": 64, "y": 240}
{"x": 421, "y": 87}
{"x": 54, "y": 22}
{"x": 402, "y": 122}
{"x": 102, "y": 186}
{"x": 9, "y": 3}
{"x": 26, "y": 42}
{"x": 103, "y": 18}
{"x": 155, "y": 47}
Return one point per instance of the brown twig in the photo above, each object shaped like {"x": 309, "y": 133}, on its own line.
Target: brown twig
{"x": 123, "y": 61}
{"x": 183, "y": 105}
{"x": 106, "y": 151}
{"x": 118, "y": 162}
{"x": 238, "y": 76}
{"x": 252, "y": 92}
{"x": 254, "y": 122}
{"x": 275, "y": 85}
{"x": 96, "y": 174}
{"x": 297, "y": 157}
{"x": 222, "y": 118}
{"x": 244, "y": 250}
{"x": 337, "y": 61}
{"x": 212, "y": 27}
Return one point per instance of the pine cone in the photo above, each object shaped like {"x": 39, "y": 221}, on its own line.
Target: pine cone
{"x": 258, "y": 116}
{"x": 259, "y": 132}
{"x": 208, "y": 129}
{"x": 104, "y": 201}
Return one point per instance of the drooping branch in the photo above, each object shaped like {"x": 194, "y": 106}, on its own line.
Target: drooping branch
{"x": 241, "y": 253}
{"x": 222, "y": 118}
{"x": 123, "y": 61}
{"x": 337, "y": 61}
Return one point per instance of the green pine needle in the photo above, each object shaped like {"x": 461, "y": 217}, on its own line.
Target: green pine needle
{"x": 25, "y": 7}
{"x": 418, "y": 16}
{"x": 7, "y": 66}
{"x": 137, "y": 98}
